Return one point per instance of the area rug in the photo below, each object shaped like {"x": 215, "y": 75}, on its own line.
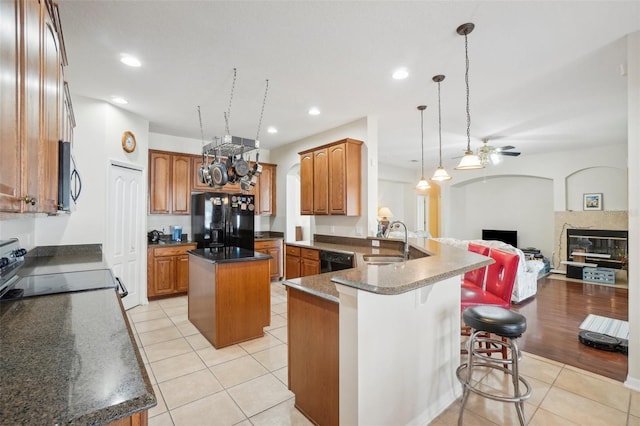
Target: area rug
{"x": 603, "y": 325}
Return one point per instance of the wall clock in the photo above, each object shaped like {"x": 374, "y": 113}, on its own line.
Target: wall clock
{"x": 128, "y": 141}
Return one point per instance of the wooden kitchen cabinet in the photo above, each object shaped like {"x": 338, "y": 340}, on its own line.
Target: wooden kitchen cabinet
{"x": 306, "y": 183}
{"x": 137, "y": 419}
{"x": 265, "y": 191}
{"x": 292, "y": 262}
{"x": 170, "y": 181}
{"x": 330, "y": 179}
{"x": 168, "y": 269}
{"x": 31, "y": 112}
{"x": 313, "y": 355}
{"x": 274, "y": 249}
{"x": 301, "y": 262}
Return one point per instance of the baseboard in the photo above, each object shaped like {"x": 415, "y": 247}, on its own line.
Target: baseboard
{"x": 632, "y": 383}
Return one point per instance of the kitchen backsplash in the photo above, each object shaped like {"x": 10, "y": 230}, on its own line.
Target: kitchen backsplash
{"x": 163, "y": 222}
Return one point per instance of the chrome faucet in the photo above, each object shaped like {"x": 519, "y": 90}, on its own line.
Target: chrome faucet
{"x": 406, "y": 236}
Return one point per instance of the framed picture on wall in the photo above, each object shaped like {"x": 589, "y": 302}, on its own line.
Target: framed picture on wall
{"x": 592, "y": 201}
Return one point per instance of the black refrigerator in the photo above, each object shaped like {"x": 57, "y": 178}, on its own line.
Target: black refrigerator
{"x": 222, "y": 220}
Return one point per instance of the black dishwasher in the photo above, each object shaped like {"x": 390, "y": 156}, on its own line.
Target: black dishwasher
{"x": 331, "y": 261}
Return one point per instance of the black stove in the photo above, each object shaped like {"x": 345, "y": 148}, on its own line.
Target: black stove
{"x": 11, "y": 258}
{"x": 16, "y": 285}
{"x": 68, "y": 282}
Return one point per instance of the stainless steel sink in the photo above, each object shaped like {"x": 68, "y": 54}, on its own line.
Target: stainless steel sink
{"x": 382, "y": 259}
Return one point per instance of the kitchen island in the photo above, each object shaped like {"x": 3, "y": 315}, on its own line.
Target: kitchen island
{"x": 229, "y": 294}
{"x": 387, "y": 337}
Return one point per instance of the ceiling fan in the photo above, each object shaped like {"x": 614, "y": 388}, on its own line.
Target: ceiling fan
{"x": 491, "y": 155}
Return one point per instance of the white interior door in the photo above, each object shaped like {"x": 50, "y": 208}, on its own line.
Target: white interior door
{"x": 124, "y": 249}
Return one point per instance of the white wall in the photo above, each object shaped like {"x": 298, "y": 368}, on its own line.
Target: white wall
{"x": 520, "y": 203}
{"x": 633, "y": 82}
{"x": 605, "y": 180}
{"x": 287, "y": 157}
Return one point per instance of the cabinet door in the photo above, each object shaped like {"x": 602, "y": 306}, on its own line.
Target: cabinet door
{"x": 275, "y": 251}
{"x": 292, "y": 266}
{"x": 337, "y": 180}
{"x": 309, "y": 267}
{"x": 49, "y": 123}
{"x": 30, "y": 105}
{"x": 10, "y": 158}
{"x": 180, "y": 184}
{"x": 320, "y": 182}
{"x": 159, "y": 182}
{"x": 164, "y": 275}
{"x": 306, "y": 183}
{"x": 196, "y": 185}
{"x": 265, "y": 191}
{"x": 182, "y": 273}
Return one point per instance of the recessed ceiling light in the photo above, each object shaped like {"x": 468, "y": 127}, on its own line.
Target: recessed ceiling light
{"x": 272, "y": 130}
{"x": 400, "y": 74}
{"x": 130, "y": 60}
{"x": 119, "y": 100}
{"x": 314, "y": 111}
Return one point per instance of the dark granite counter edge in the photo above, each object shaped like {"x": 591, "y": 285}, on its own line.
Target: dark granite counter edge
{"x": 170, "y": 244}
{"x": 312, "y": 290}
{"x": 257, "y": 256}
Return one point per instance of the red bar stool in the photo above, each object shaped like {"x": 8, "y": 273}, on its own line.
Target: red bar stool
{"x": 475, "y": 278}
{"x": 501, "y": 277}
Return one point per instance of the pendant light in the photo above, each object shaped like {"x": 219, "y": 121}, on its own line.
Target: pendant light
{"x": 440, "y": 174}
{"x": 422, "y": 184}
{"x": 470, "y": 161}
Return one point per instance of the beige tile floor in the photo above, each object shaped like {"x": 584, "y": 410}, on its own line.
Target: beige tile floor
{"x": 246, "y": 384}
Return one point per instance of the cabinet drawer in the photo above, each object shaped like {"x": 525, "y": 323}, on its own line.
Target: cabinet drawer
{"x": 310, "y": 254}
{"x": 172, "y": 251}
{"x": 267, "y": 244}
{"x": 293, "y": 251}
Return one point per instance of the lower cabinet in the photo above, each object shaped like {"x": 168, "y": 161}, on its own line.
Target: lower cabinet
{"x": 138, "y": 419}
{"x": 314, "y": 356}
{"x": 301, "y": 262}
{"x": 274, "y": 249}
{"x": 168, "y": 270}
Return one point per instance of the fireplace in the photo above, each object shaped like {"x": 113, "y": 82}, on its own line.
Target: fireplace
{"x": 595, "y": 248}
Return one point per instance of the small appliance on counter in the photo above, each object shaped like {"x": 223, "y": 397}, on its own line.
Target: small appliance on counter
{"x": 176, "y": 233}
{"x": 222, "y": 220}
{"x": 154, "y": 236}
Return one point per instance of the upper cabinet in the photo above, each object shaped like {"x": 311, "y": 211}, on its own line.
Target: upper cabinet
{"x": 330, "y": 179}
{"x": 173, "y": 176}
{"x": 265, "y": 191}
{"x": 169, "y": 183}
{"x": 31, "y": 105}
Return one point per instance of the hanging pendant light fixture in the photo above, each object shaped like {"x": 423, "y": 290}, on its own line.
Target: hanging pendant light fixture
{"x": 440, "y": 174}
{"x": 470, "y": 161}
{"x": 422, "y": 184}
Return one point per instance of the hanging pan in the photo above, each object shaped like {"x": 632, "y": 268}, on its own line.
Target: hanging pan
{"x": 218, "y": 172}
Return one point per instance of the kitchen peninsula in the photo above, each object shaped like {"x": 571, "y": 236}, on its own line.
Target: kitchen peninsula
{"x": 387, "y": 337}
{"x": 229, "y": 294}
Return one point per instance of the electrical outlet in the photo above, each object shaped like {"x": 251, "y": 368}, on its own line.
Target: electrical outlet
{"x": 375, "y": 243}
{"x": 359, "y": 230}
{"x": 333, "y": 229}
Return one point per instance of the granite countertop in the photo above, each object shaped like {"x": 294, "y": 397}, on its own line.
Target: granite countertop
{"x": 70, "y": 358}
{"x": 61, "y": 259}
{"x": 163, "y": 243}
{"x": 269, "y": 235}
{"x": 228, "y": 255}
{"x": 439, "y": 262}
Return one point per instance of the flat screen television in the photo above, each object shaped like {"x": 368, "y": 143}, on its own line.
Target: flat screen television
{"x": 509, "y": 237}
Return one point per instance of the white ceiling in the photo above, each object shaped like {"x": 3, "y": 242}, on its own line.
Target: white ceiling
{"x": 544, "y": 75}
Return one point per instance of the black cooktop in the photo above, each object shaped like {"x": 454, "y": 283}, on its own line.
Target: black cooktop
{"x": 68, "y": 282}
